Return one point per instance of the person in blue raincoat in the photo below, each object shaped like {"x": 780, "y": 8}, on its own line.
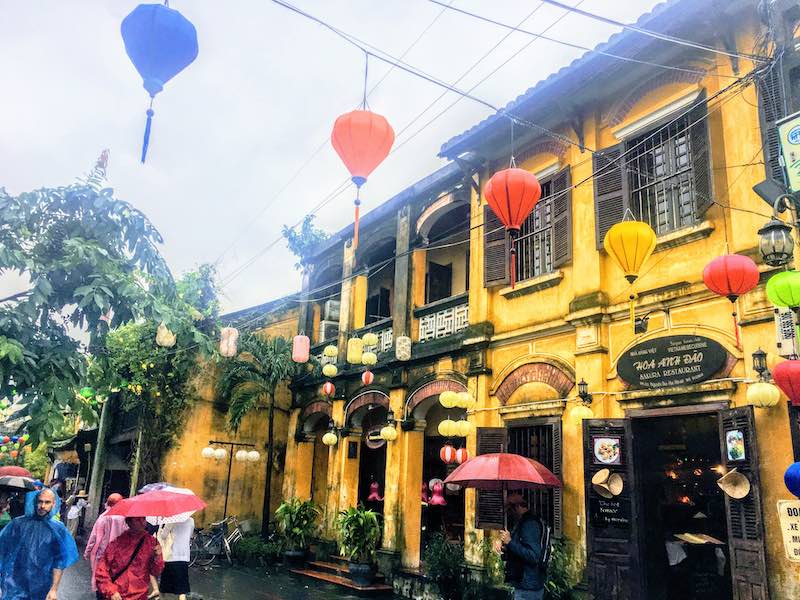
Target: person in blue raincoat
{"x": 34, "y": 550}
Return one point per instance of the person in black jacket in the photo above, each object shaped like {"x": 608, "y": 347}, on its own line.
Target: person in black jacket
{"x": 522, "y": 550}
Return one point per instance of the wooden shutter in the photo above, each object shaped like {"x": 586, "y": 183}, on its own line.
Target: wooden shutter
{"x": 495, "y": 250}
{"x": 562, "y": 218}
{"x": 610, "y": 190}
{"x": 701, "y": 160}
{"x": 558, "y": 471}
{"x": 613, "y": 551}
{"x": 490, "y": 511}
{"x": 772, "y": 107}
{"x": 745, "y": 524}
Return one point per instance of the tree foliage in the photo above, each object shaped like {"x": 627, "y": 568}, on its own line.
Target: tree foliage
{"x": 303, "y": 243}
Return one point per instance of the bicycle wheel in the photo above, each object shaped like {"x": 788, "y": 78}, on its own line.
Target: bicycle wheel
{"x": 201, "y": 551}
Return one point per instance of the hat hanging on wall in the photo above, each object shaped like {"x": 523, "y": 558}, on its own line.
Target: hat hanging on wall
{"x": 734, "y": 484}
{"x": 607, "y": 484}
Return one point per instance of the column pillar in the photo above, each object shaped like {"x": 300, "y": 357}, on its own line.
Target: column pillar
{"x": 394, "y": 488}
{"x": 402, "y": 271}
{"x": 291, "y": 461}
{"x": 410, "y": 521}
{"x": 348, "y": 484}
{"x": 304, "y": 460}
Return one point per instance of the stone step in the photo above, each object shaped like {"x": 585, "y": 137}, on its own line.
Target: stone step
{"x": 345, "y": 582}
{"x": 338, "y": 568}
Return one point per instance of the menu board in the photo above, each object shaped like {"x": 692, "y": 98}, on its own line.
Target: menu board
{"x": 789, "y": 515}
{"x": 613, "y": 512}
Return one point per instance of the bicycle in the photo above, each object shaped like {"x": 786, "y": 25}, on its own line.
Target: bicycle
{"x": 208, "y": 544}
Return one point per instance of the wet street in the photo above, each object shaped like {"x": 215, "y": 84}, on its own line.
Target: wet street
{"x": 222, "y": 583}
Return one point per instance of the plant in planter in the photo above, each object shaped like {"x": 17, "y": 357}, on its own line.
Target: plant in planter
{"x": 297, "y": 523}
{"x": 359, "y": 533}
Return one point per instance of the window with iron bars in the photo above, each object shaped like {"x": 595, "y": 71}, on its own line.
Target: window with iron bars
{"x": 536, "y": 442}
{"x": 535, "y": 242}
{"x": 661, "y": 178}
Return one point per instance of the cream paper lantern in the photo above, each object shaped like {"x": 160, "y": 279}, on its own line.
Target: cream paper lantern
{"x": 369, "y": 358}
{"x": 580, "y": 412}
{"x": 241, "y": 455}
{"x": 330, "y": 351}
{"x": 330, "y": 439}
{"x": 465, "y": 400}
{"x": 448, "y": 399}
{"x": 463, "y": 428}
{"x": 253, "y": 456}
{"x": 207, "y": 452}
{"x": 330, "y": 370}
{"x": 402, "y": 348}
{"x": 389, "y": 433}
{"x": 355, "y": 348}
{"x": 447, "y": 428}
{"x": 220, "y": 453}
{"x": 763, "y": 394}
{"x": 164, "y": 337}
{"x": 370, "y": 339}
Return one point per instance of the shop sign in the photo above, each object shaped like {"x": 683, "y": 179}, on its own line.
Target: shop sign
{"x": 789, "y": 515}
{"x": 671, "y": 360}
{"x": 614, "y": 512}
{"x": 789, "y": 134}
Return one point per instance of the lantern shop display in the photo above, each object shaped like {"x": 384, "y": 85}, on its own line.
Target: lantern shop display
{"x": 362, "y": 139}
{"x": 787, "y": 377}
{"x": 228, "y": 341}
{"x": 330, "y": 439}
{"x": 402, "y": 348}
{"x": 792, "y": 479}
{"x": 462, "y": 455}
{"x": 355, "y": 348}
{"x": 447, "y": 453}
{"x": 328, "y": 388}
{"x": 161, "y": 43}
{"x": 763, "y": 395}
{"x": 301, "y": 346}
{"x": 731, "y": 276}
{"x": 330, "y": 370}
{"x": 447, "y": 428}
{"x": 367, "y": 377}
{"x": 512, "y": 194}
{"x": 783, "y": 289}
{"x": 164, "y": 337}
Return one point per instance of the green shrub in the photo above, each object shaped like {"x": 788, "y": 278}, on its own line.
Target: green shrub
{"x": 445, "y": 566}
{"x": 563, "y": 572}
{"x": 297, "y": 522}
{"x": 253, "y": 551}
{"x": 359, "y": 533}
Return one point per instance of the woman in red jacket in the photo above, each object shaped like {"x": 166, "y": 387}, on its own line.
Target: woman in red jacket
{"x": 128, "y": 563}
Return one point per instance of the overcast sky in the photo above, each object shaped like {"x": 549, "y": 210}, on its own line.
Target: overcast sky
{"x": 232, "y": 129}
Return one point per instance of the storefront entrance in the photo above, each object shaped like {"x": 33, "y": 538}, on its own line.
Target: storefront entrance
{"x": 372, "y": 461}
{"x": 657, "y": 525}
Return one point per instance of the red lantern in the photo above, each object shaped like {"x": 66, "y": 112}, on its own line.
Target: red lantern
{"x": 328, "y": 388}
{"x": 367, "y": 377}
{"x": 512, "y": 194}
{"x": 6, "y": 439}
{"x": 462, "y": 455}
{"x": 447, "y": 454}
{"x": 301, "y": 346}
{"x": 362, "y": 139}
{"x": 787, "y": 377}
{"x": 731, "y": 275}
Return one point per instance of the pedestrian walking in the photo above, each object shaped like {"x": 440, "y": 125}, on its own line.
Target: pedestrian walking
{"x": 522, "y": 550}
{"x": 176, "y": 539}
{"x": 106, "y": 529}
{"x": 34, "y": 550}
{"x": 129, "y": 562}
{"x": 76, "y": 506}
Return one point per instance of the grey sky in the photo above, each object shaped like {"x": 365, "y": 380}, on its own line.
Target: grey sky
{"x": 232, "y": 129}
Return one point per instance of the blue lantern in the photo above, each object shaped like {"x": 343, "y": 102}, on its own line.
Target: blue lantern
{"x": 161, "y": 43}
{"x": 792, "y": 479}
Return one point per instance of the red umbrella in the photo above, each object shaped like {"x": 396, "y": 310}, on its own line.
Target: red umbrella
{"x": 15, "y": 471}
{"x": 157, "y": 504}
{"x": 502, "y": 471}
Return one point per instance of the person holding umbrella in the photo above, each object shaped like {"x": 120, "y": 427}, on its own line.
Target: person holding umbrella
{"x": 105, "y": 530}
{"x": 522, "y": 549}
{"x": 128, "y": 563}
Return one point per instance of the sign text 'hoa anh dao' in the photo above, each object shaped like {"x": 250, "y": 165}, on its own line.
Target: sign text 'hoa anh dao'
{"x": 671, "y": 360}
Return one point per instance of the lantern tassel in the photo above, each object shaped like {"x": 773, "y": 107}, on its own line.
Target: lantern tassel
{"x": 147, "y": 127}
{"x": 736, "y": 330}
{"x": 357, "y": 204}
{"x": 512, "y": 267}
{"x": 632, "y": 311}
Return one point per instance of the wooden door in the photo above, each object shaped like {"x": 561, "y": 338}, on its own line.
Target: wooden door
{"x": 745, "y": 516}
{"x": 612, "y": 535}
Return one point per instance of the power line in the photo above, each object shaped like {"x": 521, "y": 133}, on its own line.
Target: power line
{"x": 572, "y": 44}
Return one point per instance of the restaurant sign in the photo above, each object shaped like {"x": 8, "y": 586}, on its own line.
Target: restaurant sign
{"x": 789, "y": 515}
{"x": 671, "y": 360}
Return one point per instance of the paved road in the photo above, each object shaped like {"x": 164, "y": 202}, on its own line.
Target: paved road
{"x": 221, "y": 583}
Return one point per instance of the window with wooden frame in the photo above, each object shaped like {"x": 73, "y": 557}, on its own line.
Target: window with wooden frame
{"x": 663, "y": 176}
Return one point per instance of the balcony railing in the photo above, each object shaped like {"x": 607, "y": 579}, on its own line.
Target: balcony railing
{"x": 383, "y": 329}
{"x": 443, "y": 318}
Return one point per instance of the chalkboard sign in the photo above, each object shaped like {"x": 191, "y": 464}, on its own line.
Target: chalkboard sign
{"x": 671, "y": 360}
{"x": 614, "y": 512}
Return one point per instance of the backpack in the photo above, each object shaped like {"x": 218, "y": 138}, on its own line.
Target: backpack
{"x": 546, "y": 544}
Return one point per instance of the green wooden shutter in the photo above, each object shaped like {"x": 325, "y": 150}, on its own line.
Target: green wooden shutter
{"x": 772, "y": 107}
{"x": 495, "y": 250}
{"x": 701, "y": 160}
{"x": 610, "y": 190}
{"x": 490, "y": 510}
{"x": 562, "y": 218}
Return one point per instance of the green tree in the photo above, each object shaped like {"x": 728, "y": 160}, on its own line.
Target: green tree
{"x": 303, "y": 243}
{"x": 85, "y": 258}
{"x": 249, "y": 380}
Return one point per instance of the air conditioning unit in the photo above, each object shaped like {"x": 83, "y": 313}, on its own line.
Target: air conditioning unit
{"x": 330, "y": 311}
{"x": 785, "y": 332}
{"x": 328, "y": 330}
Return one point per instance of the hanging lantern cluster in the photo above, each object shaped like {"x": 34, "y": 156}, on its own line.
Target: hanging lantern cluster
{"x": 245, "y": 456}
{"x": 228, "y": 341}
{"x": 329, "y": 354}
{"x": 512, "y": 194}
{"x": 12, "y": 446}
{"x": 161, "y": 43}
{"x": 301, "y": 348}
{"x": 369, "y": 354}
{"x": 731, "y": 275}
{"x": 450, "y": 399}
{"x": 402, "y": 348}
{"x": 209, "y": 452}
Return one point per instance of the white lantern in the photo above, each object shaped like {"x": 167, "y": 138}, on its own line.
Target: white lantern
{"x": 220, "y": 453}
{"x": 208, "y": 452}
{"x": 330, "y": 439}
{"x": 253, "y": 456}
{"x": 241, "y": 455}
{"x": 370, "y": 339}
{"x": 402, "y": 348}
{"x": 369, "y": 358}
{"x": 389, "y": 433}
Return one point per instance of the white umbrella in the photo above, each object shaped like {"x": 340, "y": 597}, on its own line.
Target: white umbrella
{"x": 179, "y": 518}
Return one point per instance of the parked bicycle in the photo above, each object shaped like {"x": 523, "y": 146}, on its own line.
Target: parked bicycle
{"x": 218, "y": 540}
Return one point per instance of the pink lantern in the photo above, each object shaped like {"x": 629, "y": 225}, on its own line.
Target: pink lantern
{"x": 447, "y": 454}
{"x": 328, "y": 388}
{"x": 375, "y": 492}
{"x": 462, "y": 455}
{"x": 300, "y": 348}
{"x": 367, "y": 377}
{"x": 437, "y": 498}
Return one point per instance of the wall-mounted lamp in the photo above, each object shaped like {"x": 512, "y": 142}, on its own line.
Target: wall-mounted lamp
{"x": 583, "y": 392}
{"x": 760, "y": 365}
{"x": 583, "y": 410}
{"x": 640, "y": 324}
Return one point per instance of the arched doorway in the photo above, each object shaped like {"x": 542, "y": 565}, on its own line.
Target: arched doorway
{"x": 365, "y": 415}
{"x": 315, "y": 421}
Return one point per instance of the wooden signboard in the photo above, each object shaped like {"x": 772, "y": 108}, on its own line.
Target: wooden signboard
{"x": 672, "y": 360}
{"x": 612, "y": 512}
{"x": 789, "y": 515}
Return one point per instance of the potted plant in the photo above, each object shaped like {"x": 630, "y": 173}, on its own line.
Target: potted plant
{"x": 359, "y": 533}
{"x": 297, "y": 522}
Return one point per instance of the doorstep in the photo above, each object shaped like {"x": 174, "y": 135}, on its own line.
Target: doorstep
{"x": 365, "y": 590}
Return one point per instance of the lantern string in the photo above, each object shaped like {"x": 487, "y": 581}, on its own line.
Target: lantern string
{"x": 628, "y": 212}
{"x": 357, "y": 204}
{"x": 364, "y": 104}
{"x": 147, "y": 127}
{"x": 512, "y": 163}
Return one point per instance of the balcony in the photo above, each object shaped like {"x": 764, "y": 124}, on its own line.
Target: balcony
{"x": 443, "y": 318}
{"x": 383, "y": 329}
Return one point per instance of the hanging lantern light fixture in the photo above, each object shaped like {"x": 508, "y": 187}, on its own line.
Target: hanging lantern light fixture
{"x": 328, "y": 388}
{"x": 447, "y": 453}
{"x": 228, "y": 341}
{"x": 355, "y": 348}
{"x": 301, "y": 348}
{"x": 731, "y": 275}
{"x": 462, "y": 455}
{"x": 220, "y": 453}
{"x": 775, "y": 243}
{"x": 330, "y": 351}
{"x": 253, "y": 456}
{"x": 447, "y": 428}
{"x": 402, "y": 348}
{"x": 763, "y": 395}
{"x": 389, "y": 432}
{"x": 370, "y": 339}
{"x": 630, "y": 244}
{"x": 448, "y": 399}
{"x": 787, "y": 377}
{"x": 367, "y": 377}
{"x": 330, "y": 439}
{"x": 240, "y": 456}
{"x": 369, "y": 359}
{"x": 164, "y": 337}
{"x": 330, "y": 370}
{"x": 463, "y": 428}
{"x": 783, "y": 289}
{"x": 207, "y": 452}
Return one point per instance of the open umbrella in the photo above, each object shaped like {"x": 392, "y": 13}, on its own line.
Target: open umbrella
{"x": 18, "y": 482}
{"x": 161, "y": 503}
{"x": 501, "y": 471}
{"x": 15, "y": 470}
{"x": 165, "y": 487}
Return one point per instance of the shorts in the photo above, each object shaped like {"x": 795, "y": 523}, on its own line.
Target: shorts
{"x": 175, "y": 578}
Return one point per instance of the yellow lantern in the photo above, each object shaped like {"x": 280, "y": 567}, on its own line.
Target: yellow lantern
{"x": 330, "y": 439}
{"x": 581, "y": 412}
{"x": 630, "y": 244}
{"x": 369, "y": 358}
{"x": 763, "y": 394}
{"x": 388, "y": 433}
{"x": 464, "y": 400}
{"x": 370, "y": 339}
{"x": 448, "y": 399}
{"x": 447, "y": 428}
{"x": 355, "y": 348}
{"x": 330, "y": 351}
{"x": 463, "y": 428}
{"x": 329, "y": 370}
